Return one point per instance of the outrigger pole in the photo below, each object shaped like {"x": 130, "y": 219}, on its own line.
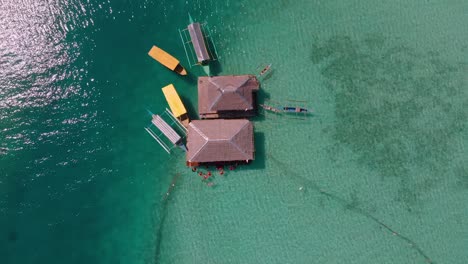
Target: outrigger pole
{"x": 176, "y": 121}
{"x": 185, "y": 49}
{"x": 163, "y": 145}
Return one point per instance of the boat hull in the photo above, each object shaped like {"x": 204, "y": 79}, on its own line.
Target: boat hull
{"x": 167, "y": 60}
{"x": 294, "y": 109}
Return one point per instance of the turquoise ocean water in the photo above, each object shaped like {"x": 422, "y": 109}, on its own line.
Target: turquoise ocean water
{"x": 378, "y": 174}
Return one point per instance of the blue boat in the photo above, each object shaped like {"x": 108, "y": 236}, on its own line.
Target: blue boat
{"x": 292, "y": 109}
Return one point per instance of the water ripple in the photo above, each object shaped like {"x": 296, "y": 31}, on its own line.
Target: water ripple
{"x": 36, "y": 50}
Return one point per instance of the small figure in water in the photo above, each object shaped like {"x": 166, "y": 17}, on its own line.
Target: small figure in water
{"x": 194, "y": 169}
{"x": 265, "y": 69}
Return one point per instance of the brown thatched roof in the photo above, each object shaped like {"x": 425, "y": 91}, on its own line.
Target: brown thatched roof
{"x": 220, "y": 140}
{"x": 226, "y": 93}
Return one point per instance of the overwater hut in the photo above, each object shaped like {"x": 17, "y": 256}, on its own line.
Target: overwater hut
{"x": 227, "y": 96}
{"x": 219, "y": 141}
{"x": 199, "y": 43}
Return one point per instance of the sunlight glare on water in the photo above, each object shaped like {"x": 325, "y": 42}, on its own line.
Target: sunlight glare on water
{"x": 47, "y": 96}
{"x": 36, "y": 50}
{"x": 38, "y": 55}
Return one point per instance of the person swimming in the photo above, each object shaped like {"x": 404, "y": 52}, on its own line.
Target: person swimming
{"x": 265, "y": 69}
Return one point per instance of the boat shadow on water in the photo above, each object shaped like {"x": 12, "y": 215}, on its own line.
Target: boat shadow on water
{"x": 259, "y": 162}
{"x": 215, "y": 68}
{"x": 190, "y": 78}
{"x": 191, "y": 110}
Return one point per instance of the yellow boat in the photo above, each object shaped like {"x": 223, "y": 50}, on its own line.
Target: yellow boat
{"x": 167, "y": 60}
{"x": 176, "y": 105}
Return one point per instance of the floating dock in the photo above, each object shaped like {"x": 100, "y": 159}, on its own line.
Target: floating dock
{"x": 176, "y": 105}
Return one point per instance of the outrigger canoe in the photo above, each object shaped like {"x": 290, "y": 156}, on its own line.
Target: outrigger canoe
{"x": 286, "y": 109}
{"x": 167, "y": 60}
{"x": 294, "y": 109}
{"x": 270, "y": 108}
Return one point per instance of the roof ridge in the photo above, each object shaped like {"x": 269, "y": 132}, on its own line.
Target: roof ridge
{"x": 235, "y": 134}
{"x": 198, "y": 131}
{"x": 248, "y": 78}
{"x": 202, "y": 135}
{"x": 215, "y": 101}
{"x": 200, "y": 149}
{"x": 236, "y": 93}
{"x": 242, "y": 96}
{"x": 211, "y": 80}
{"x": 239, "y": 149}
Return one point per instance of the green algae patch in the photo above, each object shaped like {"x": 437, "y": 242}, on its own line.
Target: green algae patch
{"x": 400, "y": 110}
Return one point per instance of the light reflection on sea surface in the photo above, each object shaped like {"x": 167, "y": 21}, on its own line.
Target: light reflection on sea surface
{"x": 57, "y": 158}
{"x": 36, "y": 51}
{"x": 47, "y": 96}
